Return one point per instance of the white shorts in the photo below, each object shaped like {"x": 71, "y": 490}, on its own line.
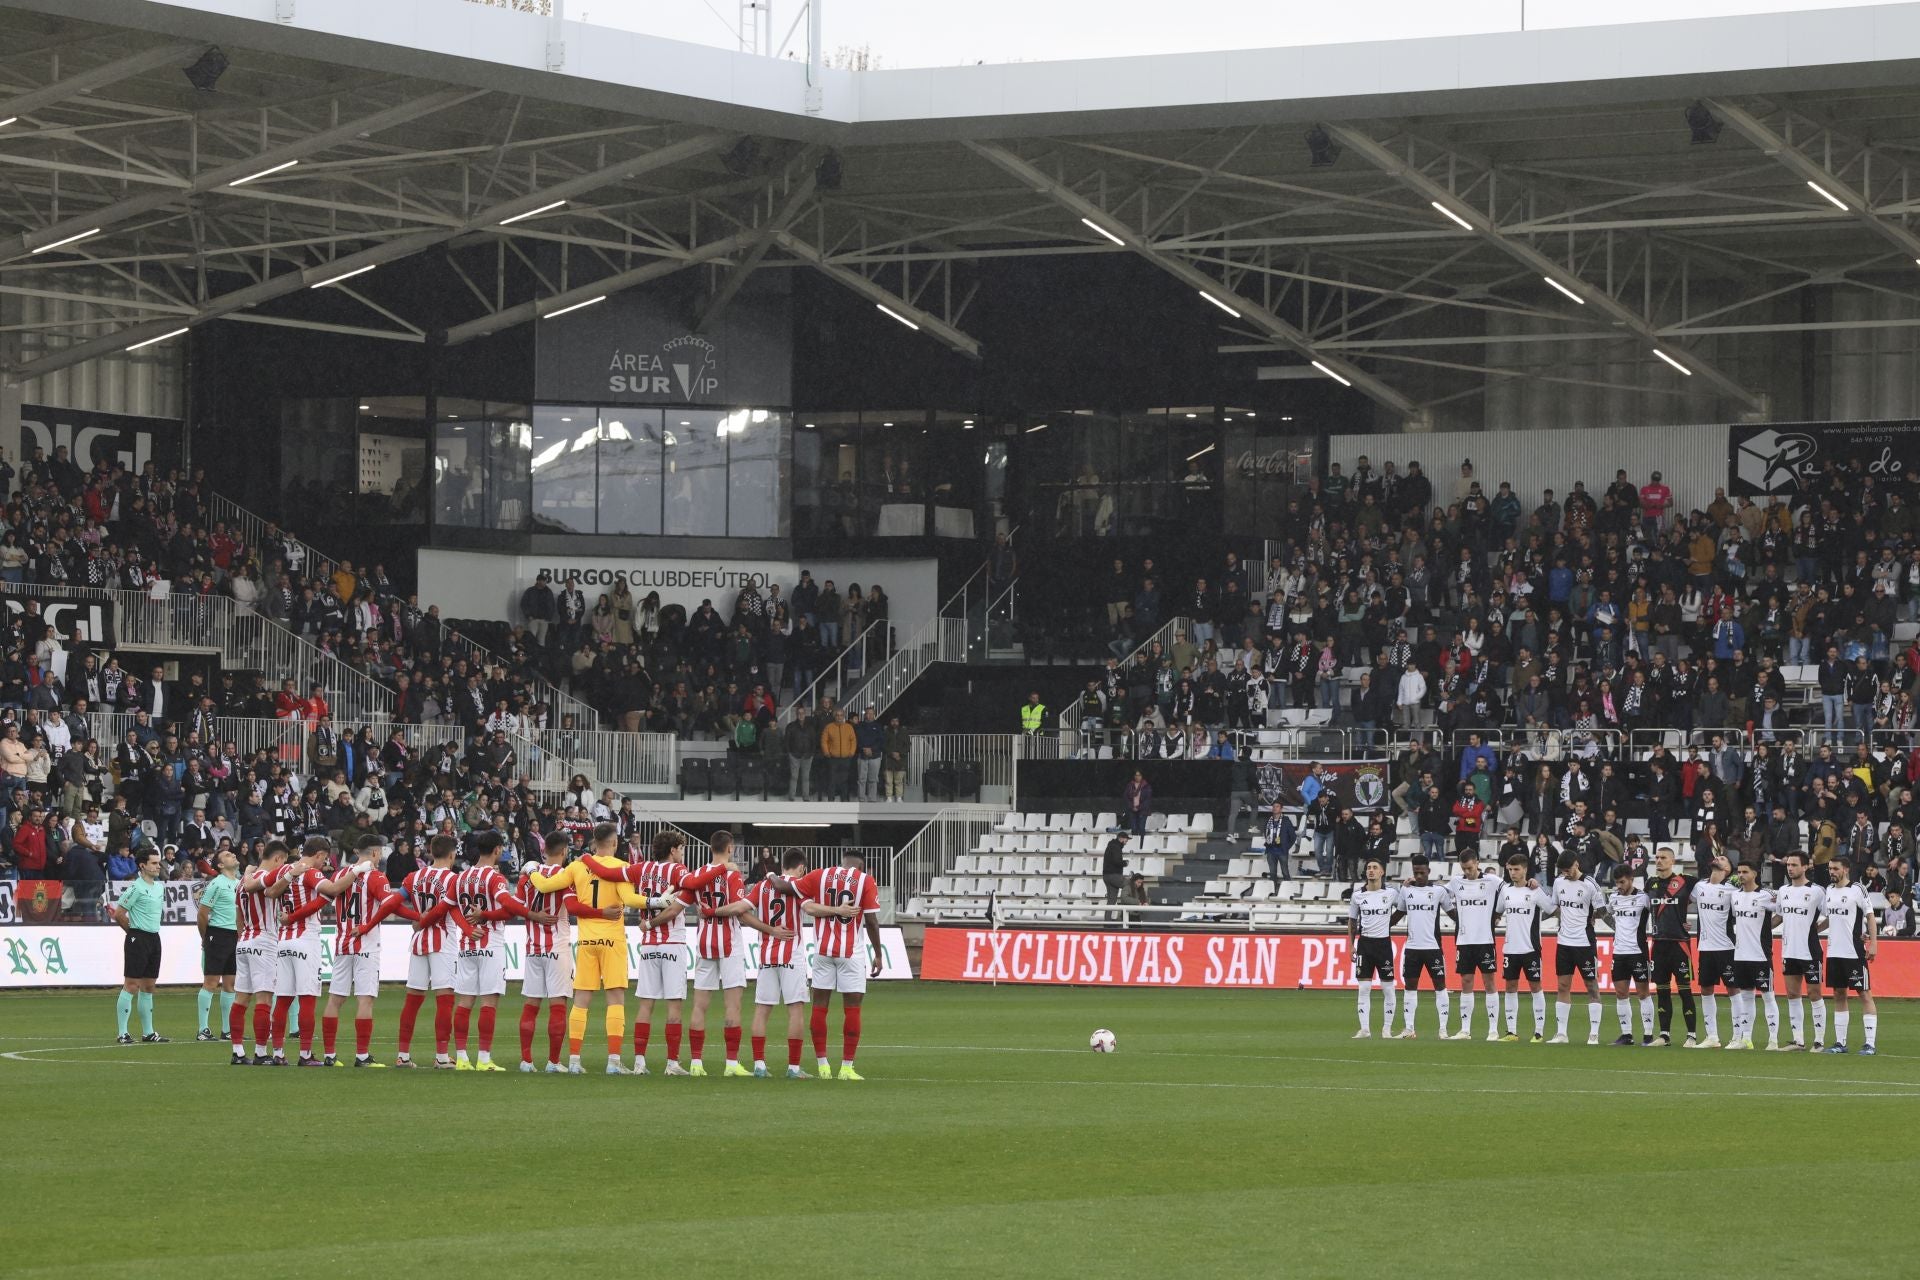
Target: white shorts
{"x": 723, "y": 974}
{"x": 480, "y": 971}
{"x": 299, "y": 968}
{"x": 548, "y": 976}
{"x": 662, "y": 974}
{"x": 780, "y": 984}
{"x": 256, "y": 966}
{"x": 432, "y": 972}
{"x": 845, "y": 974}
{"x": 355, "y": 975}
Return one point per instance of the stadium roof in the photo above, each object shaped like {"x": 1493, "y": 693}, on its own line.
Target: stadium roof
{"x": 1534, "y": 186}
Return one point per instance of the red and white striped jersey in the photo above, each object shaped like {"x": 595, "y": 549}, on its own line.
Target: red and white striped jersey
{"x": 476, "y": 890}
{"x": 425, "y": 888}
{"x": 779, "y": 910}
{"x": 260, "y": 914}
{"x": 546, "y": 939}
{"x": 719, "y": 935}
{"x": 354, "y": 910}
{"x": 303, "y": 887}
{"x": 661, "y": 880}
{"x": 839, "y": 887}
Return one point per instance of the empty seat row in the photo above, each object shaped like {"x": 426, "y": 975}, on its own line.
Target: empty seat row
{"x": 1191, "y": 824}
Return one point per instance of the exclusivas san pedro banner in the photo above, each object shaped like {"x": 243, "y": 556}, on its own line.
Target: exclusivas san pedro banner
{"x": 1276, "y": 961}
{"x": 91, "y": 955}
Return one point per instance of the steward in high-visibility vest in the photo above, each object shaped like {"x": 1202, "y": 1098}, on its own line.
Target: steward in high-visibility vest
{"x": 1033, "y": 714}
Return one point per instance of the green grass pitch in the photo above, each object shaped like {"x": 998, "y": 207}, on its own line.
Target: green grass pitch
{"x": 1233, "y": 1133}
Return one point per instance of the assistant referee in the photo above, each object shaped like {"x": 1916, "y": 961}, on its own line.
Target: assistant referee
{"x": 219, "y": 943}
{"x": 138, "y": 912}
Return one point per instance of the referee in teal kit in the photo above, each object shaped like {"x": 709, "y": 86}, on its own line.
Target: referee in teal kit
{"x": 138, "y": 912}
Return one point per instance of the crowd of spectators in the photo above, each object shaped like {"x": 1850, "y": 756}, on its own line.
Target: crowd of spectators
{"x": 1581, "y": 617}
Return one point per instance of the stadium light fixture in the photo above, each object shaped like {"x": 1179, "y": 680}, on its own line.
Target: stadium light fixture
{"x": 345, "y": 275}
{"x": 9, "y": 120}
{"x": 575, "y": 307}
{"x": 241, "y": 182}
{"x": 1562, "y": 288}
{"x": 897, "y": 316}
{"x": 1331, "y": 374}
{"x": 1103, "y": 231}
{"x": 1223, "y": 306}
{"x": 49, "y": 248}
{"x": 1203, "y": 453}
{"x": 162, "y": 338}
{"x": 1675, "y": 363}
{"x": 545, "y": 208}
{"x": 1828, "y": 196}
{"x": 1464, "y": 224}
{"x": 1702, "y": 124}
{"x": 1041, "y": 427}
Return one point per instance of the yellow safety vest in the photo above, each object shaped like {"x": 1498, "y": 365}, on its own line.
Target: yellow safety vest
{"x": 1031, "y": 716}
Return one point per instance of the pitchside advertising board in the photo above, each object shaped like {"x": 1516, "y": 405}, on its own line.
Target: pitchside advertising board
{"x": 1292, "y": 961}
{"x": 1782, "y": 458}
{"x": 90, "y": 955}
{"x": 90, "y": 437}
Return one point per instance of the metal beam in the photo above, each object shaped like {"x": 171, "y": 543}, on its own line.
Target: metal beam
{"x": 906, "y": 312}
{"x": 1526, "y": 255}
{"x": 221, "y": 176}
{"x": 390, "y": 251}
{"x": 782, "y": 218}
{"x": 1249, "y": 310}
{"x": 540, "y": 308}
{"x": 97, "y": 77}
{"x": 1814, "y": 173}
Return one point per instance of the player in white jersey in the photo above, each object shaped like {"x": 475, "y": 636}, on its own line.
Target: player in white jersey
{"x": 1853, "y": 938}
{"x": 1628, "y": 908}
{"x": 1712, "y": 908}
{"x": 1476, "y": 897}
{"x": 1371, "y": 911}
{"x": 1576, "y": 899}
{"x": 1753, "y": 915}
{"x": 1420, "y": 903}
{"x": 1799, "y": 905}
{"x": 1521, "y": 906}
{"x": 257, "y": 956}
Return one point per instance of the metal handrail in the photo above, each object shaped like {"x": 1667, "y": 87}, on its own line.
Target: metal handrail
{"x": 812, "y": 695}
{"x": 1068, "y": 724}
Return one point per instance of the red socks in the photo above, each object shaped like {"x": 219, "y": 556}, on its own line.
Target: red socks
{"x": 759, "y": 1048}
{"x": 556, "y": 1030}
{"x": 793, "y": 1051}
{"x": 642, "y": 1032}
{"x": 732, "y": 1035}
{"x": 306, "y": 1024}
{"x": 818, "y": 1026}
{"x": 673, "y": 1042}
{"x": 408, "y": 1012}
{"x": 442, "y": 1022}
{"x": 697, "y": 1042}
{"x": 329, "y": 1032}
{"x": 462, "y": 1019}
{"x": 263, "y": 1021}
{"x": 280, "y": 1006}
{"x": 487, "y": 1013}
{"x": 237, "y": 1025}
{"x": 529, "y": 1021}
{"x": 362, "y": 1037}
{"x": 849, "y": 1034}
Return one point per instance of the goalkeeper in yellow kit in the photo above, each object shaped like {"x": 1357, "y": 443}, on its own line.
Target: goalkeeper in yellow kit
{"x": 600, "y": 944}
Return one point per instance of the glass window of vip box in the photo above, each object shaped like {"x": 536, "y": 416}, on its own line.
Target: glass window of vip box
{"x": 644, "y": 472}
{"x": 481, "y": 454}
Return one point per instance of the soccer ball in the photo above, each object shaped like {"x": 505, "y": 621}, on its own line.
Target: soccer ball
{"x": 1101, "y": 1041}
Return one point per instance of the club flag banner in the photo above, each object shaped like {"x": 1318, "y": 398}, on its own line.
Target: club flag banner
{"x": 1357, "y": 784}
{"x": 1784, "y": 458}
{"x": 1237, "y": 961}
{"x": 32, "y": 902}
{"x": 91, "y": 955}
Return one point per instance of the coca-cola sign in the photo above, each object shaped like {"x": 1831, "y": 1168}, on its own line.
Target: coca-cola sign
{"x": 1285, "y": 463}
